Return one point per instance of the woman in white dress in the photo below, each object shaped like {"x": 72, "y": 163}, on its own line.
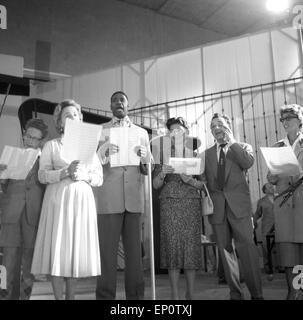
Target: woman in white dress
{"x": 67, "y": 245}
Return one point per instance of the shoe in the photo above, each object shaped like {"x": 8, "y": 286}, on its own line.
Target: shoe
{"x": 241, "y": 297}
{"x": 222, "y": 281}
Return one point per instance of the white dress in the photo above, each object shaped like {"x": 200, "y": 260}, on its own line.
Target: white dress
{"x": 67, "y": 243}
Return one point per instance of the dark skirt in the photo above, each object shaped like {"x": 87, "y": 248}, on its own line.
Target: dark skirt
{"x": 291, "y": 254}
{"x": 180, "y": 233}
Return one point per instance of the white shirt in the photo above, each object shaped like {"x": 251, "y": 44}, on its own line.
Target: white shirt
{"x": 287, "y": 143}
{"x": 225, "y": 149}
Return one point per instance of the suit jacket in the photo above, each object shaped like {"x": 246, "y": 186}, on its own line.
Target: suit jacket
{"x": 289, "y": 217}
{"x": 123, "y": 187}
{"x": 20, "y": 194}
{"x": 239, "y": 158}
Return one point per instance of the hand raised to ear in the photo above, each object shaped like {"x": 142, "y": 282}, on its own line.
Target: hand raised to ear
{"x": 3, "y": 167}
{"x": 229, "y": 136}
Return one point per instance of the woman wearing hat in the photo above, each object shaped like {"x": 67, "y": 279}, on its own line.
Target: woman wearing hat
{"x": 67, "y": 245}
{"x": 289, "y": 217}
{"x": 180, "y": 209}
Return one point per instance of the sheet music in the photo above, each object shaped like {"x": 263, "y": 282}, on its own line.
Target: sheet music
{"x": 281, "y": 161}
{"x": 19, "y": 162}
{"x": 80, "y": 141}
{"x": 189, "y": 166}
{"x": 127, "y": 140}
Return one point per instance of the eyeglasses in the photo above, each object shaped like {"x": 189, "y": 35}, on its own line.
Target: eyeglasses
{"x": 217, "y": 125}
{"x": 29, "y": 137}
{"x": 287, "y": 118}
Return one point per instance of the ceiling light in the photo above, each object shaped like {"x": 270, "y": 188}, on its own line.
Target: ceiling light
{"x": 277, "y": 6}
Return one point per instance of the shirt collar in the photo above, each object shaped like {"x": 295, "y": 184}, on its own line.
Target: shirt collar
{"x": 218, "y": 146}
{"x": 287, "y": 143}
{"x": 124, "y": 122}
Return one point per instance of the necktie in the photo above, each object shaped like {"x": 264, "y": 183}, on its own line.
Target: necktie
{"x": 221, "y": 167}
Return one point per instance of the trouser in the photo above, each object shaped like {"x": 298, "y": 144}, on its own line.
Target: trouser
{"x": 19, "y": 281}
{"x": 220, "y": 271}
{"x": 18, "y": 240}
{"x": 265, "y": 256}
{"x": 241, "y": 230}
{"x": 110, "y": 227}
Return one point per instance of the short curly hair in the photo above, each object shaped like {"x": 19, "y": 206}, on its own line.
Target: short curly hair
{"x": 58, "y": 112}
{"x": 224, "y": 116}
{"x": 121, "y": 92}
{"x": 264, "y": 187}
{"x": 179, "y": 120}
{"x": 294, "y": 109}
{"x": 38, "y": 124}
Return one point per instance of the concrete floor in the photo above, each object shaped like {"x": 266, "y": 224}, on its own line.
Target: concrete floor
{"x": 206, "y": 288}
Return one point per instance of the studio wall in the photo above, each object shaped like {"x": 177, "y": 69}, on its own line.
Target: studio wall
{"x": 246, "y": 61}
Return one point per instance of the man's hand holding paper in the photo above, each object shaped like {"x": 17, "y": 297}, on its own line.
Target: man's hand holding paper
{"x": 17, "y": 162}
{"x": 126, "y": 146}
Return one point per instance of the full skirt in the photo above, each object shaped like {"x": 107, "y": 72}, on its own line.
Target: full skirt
{"x": 67, "y": 242}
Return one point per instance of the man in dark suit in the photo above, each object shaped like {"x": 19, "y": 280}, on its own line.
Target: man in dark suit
{"x": 226, "y": 164}
{"x": 21, "y": 206}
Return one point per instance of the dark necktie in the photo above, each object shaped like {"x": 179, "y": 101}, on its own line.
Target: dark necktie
{"x": 221, "y": 167}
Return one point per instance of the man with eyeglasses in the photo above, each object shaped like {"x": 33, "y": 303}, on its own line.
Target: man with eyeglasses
{"x": 19, "y": 221}
{"x": 226, "y": 164}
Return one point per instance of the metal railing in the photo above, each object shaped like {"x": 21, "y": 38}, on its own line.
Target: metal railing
{"x": 254, "y": 111}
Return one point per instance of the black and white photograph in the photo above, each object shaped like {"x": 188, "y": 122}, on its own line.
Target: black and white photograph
{"x": 151, "y": 150}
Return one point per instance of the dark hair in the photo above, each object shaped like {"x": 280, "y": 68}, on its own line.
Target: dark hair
{"x": 178, "y": 120}
{"x": 37, "y": 124}
{"x": 264, "y": 187}
{"x": 224, "y": 116}
{"x": 121, "y": 92}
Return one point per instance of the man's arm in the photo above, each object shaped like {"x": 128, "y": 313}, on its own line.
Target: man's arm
{"x": 3, "y": 182}
{"x": 258, "y": 214}
{"x": 243, "y": 154}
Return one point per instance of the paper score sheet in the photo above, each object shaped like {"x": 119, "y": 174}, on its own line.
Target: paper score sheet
{"x": 281, "y": 161}
{"x": 19, "y": 162}
{"x": 127, "y": 140}
{"x": 189, "y": 166}
{"x": 80, "y": 140}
